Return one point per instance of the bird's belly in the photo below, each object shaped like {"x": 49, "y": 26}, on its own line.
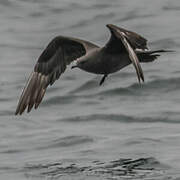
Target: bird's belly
{"x": 116, "y": 63}
{"x": 108, "y": 64}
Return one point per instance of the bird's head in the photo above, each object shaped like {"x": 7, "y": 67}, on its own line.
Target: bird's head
{"x": 83, "y": 62}
{"x": 80, "y": 63}
{"x": 87, "y": 62}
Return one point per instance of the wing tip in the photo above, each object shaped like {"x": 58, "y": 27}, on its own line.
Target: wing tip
{"x": 16, "y": 113}
{"x": 33, "y": 93}
{"x": 111, "y": 27}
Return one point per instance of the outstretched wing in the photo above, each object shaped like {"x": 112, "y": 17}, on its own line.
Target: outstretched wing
{"x": 135, "y": 40}
{"x": 60, "y": 52}
{"x": 126, "y": 41}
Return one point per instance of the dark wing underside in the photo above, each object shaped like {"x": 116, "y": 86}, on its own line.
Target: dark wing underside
{"x": 60, "y": 52}
{"x": 124, "y": 41}
{"x": 135, "y": 40}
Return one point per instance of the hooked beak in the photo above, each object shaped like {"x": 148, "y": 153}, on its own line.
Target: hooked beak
{"x": 74, "y": 65}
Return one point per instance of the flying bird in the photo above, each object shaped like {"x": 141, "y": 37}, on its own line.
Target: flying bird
{"x": 123, "y": 48}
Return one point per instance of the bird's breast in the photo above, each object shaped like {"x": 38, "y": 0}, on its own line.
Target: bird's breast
{"x": 106, "y": 63}
{"x": 116, "y": 62}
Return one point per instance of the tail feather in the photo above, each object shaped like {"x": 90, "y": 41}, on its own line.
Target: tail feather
{"x": 149, "y": 56}
{"x": 152, "y": 52}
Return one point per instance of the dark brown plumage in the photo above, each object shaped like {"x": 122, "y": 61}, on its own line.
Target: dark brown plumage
{"x": 123, "y": 48}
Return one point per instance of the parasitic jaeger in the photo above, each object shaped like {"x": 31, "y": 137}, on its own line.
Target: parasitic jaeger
{"x": 123, "y": 48}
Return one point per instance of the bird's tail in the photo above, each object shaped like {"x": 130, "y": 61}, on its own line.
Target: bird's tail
{"x": 149, "y": 56}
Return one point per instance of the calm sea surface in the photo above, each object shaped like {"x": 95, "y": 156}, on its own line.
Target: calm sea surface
{"x": 121, "y": 130}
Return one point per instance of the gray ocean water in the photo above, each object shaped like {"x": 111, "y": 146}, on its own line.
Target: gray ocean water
{"x": 121, "y": 130}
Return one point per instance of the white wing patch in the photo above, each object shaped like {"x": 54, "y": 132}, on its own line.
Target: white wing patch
{"x": 133, "y": 57}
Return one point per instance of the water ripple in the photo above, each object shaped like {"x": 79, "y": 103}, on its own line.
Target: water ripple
{"x": 115, "y": 169}
{"x": 67, "y": 141}
{"x": 163, "y": 85}
{"x": 124, "y": 118}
